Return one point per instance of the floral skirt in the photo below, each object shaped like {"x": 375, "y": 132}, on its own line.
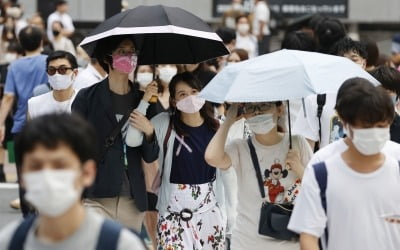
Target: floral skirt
{"x": 193, "y": 220}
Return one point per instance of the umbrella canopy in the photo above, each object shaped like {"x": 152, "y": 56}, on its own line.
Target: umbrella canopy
{"x": 162, "y": 34}
{"x": 282, "y": 75}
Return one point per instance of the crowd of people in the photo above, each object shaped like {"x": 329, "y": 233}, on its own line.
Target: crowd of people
{"x": 103, "y": 142}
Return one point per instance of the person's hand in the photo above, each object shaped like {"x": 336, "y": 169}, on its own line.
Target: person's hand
{"x": 151, "y": 90}
{"x": 293, "y": 162}
{"x": 140, "y": 122}
{"x": 2, "y": 132}
{"x": 232, "y": 113}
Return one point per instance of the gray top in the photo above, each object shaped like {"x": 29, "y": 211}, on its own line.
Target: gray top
{"x": 85, "y": 237}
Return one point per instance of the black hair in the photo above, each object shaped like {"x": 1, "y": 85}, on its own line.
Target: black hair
{"x": 105, "y": 47}
{"x": 315, "y": 21}
{"x": 372, "y": 53}
{"x": 328, "y": 32}
{"x": 242, "y": 16}
{"x": 227, "y": 35}
{"x": 206, "y": 111}
{"x": 60, "y": 2}
{"x": 61, "y": 54}
{"x": 299, "y": 40}
{"x": 358, "y": 100}
{"x": 346, "y": 45}
{"x": 30, "y": 38}
{"x": 53, "y": 130}
{"x": 388, "y": 77}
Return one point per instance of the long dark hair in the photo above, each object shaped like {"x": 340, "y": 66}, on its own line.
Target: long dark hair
{"x": 206, "y": 111}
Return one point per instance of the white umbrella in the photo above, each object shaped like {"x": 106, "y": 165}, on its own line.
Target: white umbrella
{"x": 282, "y": 75}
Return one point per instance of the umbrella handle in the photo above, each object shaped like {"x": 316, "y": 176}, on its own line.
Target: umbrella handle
{"x": 290, "y": 125}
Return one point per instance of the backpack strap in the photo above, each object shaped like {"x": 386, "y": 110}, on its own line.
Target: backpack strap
{"x": 109, "y": 235}
{"x": 321, "y": 175}
{"x": 18, "y": 239}
{"x": 256, "y": 166}
{"x": 321, "y": 100}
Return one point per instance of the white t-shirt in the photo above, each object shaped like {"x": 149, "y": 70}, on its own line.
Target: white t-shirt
{"x": 391, "y": 148}
{"x": 279, "y": 188}
{"x": 64, "y": 44}
{"x": 248, "y": 43}
{"x": 87, "y": 77}
{"x": 86, "y": 237}
{"x": 261, "y": 13}
{"x": 331, "y": 127}
{"x": 46, "y": 104}
{"x": 65, "y": 19}
{"x": 356, "y": 203}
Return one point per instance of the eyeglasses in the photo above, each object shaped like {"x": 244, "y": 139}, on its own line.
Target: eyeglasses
{"x": 62, "y": 70}
{"x": 250, "y": 108}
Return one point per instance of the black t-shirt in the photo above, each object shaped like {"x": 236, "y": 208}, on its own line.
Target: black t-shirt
{"x": 395, "y": 129}
{"x": 122, "y": 104}
{"x": 191, "y": 167}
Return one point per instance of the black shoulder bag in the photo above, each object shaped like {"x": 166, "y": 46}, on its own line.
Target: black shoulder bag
{"x": 274, "y": 218}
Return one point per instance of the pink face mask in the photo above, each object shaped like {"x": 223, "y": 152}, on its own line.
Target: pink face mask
{"x": 190, "y": 104}
{"x": 124, "y": 64}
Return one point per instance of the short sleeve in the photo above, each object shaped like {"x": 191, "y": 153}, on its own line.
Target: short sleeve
{"x": 10, "y": 86}
{"x": 308, "y": 215}
{"x": 307, "y": 126}
{"x": 232, "y": 149}
{"x": 130, "y": 241}
{"x": 305, "y": 151}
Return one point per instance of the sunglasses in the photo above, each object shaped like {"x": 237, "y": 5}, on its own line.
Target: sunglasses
{"x": 62, "y": 70}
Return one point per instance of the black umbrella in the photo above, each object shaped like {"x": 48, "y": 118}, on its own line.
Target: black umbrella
{"x": 164, "y": 35}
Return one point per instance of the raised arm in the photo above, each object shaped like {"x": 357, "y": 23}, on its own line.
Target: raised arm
{"x": 215, "y": 153}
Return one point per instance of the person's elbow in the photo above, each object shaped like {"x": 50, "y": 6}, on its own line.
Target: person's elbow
{"x": 8, "y": 98}
{"x": 216, "y": 161}
{"x": 308, "y": 242}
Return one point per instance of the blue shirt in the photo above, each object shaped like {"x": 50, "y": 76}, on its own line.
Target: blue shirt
{"x": 191, "y": 167}
{"x": 23, "y": 76}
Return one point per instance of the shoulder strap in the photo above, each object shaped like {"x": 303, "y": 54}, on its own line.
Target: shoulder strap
{"x": 256, "y": 165}
{"x": 18, "y": 239}
{"x": 110, "y": 140}
{"x": 321, "y": 175}
{"x": 165, "y": 144}
{"x": 321, "y": 100}
{"x": 109, "y": 235}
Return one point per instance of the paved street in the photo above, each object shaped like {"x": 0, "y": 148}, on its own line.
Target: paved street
{"x": 8, "y": 192}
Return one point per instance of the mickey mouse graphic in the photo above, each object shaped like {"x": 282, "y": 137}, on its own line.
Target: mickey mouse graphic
{"x": 272, "y": 177}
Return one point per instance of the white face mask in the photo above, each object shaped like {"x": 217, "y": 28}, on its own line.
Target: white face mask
{"x": 167, "y": 73}
{"x": 261, "y": 124}
{"x": 52, "y": 192}
{"x": 243, "y": 28}
{"x": 370, "y": 141}
{"x": 60, "y": 82}
{"x": 144, "y": 79}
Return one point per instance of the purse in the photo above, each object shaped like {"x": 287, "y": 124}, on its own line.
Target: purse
{"x": 274, "y": 218}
